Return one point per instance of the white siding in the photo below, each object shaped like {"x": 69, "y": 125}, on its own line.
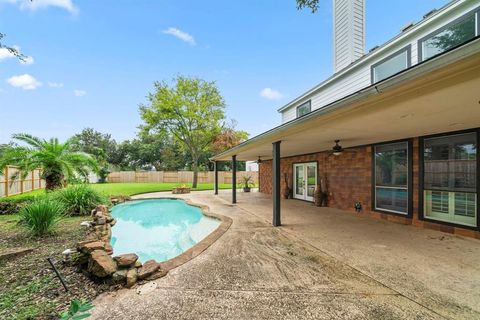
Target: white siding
{"x": 358, "y": 76}
{"x": 289, "y": 114}
{"x": 348, "y": 32}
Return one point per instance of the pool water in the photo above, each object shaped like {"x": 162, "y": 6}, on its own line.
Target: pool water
{"x": 158, "y": 229}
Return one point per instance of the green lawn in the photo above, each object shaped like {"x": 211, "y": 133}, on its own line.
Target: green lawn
{"x": 128, "y": 189}
{"x": 124, "y": 189}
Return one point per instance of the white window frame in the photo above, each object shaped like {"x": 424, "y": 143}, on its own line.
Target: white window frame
{"x": 408, "y": 63}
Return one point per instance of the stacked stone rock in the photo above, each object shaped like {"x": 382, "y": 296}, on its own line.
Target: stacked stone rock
{"x": 95, "y": 254}
{"x": 181, "y": 190}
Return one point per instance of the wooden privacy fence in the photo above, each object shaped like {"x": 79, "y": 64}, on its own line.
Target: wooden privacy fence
{"x": 178, "y": 176}
{"x": 10, "y": 187}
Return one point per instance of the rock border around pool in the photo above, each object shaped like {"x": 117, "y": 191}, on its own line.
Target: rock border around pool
{"x": 94, "y": 255}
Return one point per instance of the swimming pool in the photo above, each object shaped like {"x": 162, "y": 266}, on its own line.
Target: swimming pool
{"x": 158, "y": 229}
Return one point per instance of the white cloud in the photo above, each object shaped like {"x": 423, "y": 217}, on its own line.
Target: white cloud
{"x": 79, "y": 93}
{"x": 27, "y": 60}
{"x": 7, "y": 54}
{"x": 180, "y": 35}
{"x": 55, "y": 84}
{"x": 24, "y": 81}
{"x": 40, "y": 4}
{"x": 271, "y": 94}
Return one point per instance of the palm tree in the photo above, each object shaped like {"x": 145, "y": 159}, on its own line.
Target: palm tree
{"x": 56, "y": 160}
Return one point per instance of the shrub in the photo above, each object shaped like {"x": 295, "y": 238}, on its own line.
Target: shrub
{"x": 78, "y": 310}
{"x": 79, "y": 199}
{"x": 42, "y": 216}
{"x": 13, "y": 204}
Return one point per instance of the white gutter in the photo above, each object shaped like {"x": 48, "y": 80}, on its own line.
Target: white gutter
{"x": 469, "y": 49}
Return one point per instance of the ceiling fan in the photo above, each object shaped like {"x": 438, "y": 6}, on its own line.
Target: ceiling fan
{"x": 337, "y": 149}
{"x": 259, "y": 160}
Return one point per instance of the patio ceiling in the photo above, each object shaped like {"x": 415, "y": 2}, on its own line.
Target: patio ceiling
{"x": 439, "y": 95}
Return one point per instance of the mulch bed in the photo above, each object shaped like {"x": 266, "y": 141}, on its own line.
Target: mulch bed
{"x": 29, "y": 288}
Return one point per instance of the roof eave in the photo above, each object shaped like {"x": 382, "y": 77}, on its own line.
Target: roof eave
{"x": 449, "y": 57}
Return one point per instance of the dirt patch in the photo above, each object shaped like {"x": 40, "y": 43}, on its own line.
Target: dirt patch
{"x": 28, "y": 286}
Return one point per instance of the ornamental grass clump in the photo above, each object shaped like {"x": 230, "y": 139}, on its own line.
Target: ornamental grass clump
{"x": 79, "y": 199}
{"x": 42, "y": 216}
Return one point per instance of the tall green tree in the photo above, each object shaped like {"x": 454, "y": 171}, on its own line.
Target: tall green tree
{"x": 150, "y": 151}
{"x": 100, "y": 145}
{"x": 310, "y": 4}
{"x": 57, "y": 161}
{"x": 191, "y": 110}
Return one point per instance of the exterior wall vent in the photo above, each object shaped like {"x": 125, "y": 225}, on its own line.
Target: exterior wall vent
{"x": 429, "y": 13}
{"x": 348, "y": 32}
{"x": 406, "y": 27}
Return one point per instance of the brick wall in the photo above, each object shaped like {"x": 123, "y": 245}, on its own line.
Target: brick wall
{"x": 348, "y": 176}
{"x": 349, "y": 179}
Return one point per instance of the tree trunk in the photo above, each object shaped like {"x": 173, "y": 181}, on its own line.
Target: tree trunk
{"x": 195, "y": 173}
{"x": 157, "y": 166}
{"x": 53, "y": 181}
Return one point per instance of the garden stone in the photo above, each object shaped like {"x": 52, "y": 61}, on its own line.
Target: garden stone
{"x": 126, "y": 260}
{"x": 102, "y": 208}
{"x": 101, "y": 264}
{"x": 159, "y": 274}
{"x": 87, "y": 247}
{"x": 108, "y": 248}
{"x": 131, "y": 277}
{"x": 119, "y": 276}
{"x": 101, "y": 221}
{"x": 148, "y": 268}
{"x": 98, "y": 216}
{"x": 138, "y": 264}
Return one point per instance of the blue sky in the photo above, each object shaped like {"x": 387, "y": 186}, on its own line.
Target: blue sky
{"x": 92, "y": 62}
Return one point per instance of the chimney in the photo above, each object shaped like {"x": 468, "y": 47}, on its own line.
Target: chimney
{"x": 348, "y": 32}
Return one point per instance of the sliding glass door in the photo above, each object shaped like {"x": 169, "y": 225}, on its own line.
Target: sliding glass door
{"x": 450, "y": 178}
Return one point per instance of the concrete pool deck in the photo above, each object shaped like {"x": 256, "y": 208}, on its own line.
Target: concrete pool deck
{"x": 322, "y": 263}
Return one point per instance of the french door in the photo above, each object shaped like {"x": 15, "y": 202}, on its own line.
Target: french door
{"x": 304, "y": 180}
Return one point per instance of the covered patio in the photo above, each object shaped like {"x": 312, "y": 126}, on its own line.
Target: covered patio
{"x": 431, "y": 98}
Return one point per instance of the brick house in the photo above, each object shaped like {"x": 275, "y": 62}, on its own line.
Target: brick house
{"x": 393, "y": 132}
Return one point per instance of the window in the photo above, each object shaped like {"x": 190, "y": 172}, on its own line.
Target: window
{"x": 449, "y": 178}
{"x": 391, "y": 65}
{"x": 304, "y": 109}
{"x": 391, "y": 177}
{"x": 448, "y": 37}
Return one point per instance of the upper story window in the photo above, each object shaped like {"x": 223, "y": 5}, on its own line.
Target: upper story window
{"x": 448, "y": 37}
{"x": 303, "y": 109}
{"x": 391, "y": 65}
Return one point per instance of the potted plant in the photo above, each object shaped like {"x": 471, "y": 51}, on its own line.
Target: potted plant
{"x": 247, "y": 183}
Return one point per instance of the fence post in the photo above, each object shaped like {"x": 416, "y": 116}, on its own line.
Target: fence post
{"x": 33, "y": 179}
{"x": 6, "y": 181}
{"x": 21, "y": 183}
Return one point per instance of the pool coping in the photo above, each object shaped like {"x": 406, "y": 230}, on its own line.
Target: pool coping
{"x": 197, "y": 249}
